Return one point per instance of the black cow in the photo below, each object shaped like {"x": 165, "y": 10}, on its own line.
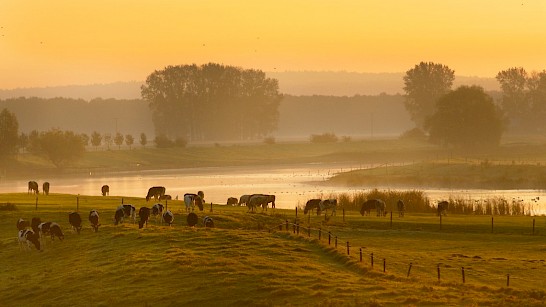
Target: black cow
{"x": 45, "y": 188}
{"x": 311, "y": 205}
{"x": 22, "y": 224}
{"x": 28, "y": 237}
{"x": 75, "y": 221}
{"x": 44, "y": 229}
{"x": 94, "y": 220}
{"x": 243, "y": 200}
{"x": 401, "y": 208}
{"x": 105, "y": 190}
{"x": 328, "y": 204}
{"x": 371, "y": 204}
{"x": 157, "y": 210}
{"x": 33, "y": 187}
{"x": 168, "y": 217}
{"x": 118, "y": 216}
{"x": 155, "y": 192}
{"x": 55, "y": 231}
{"x": 128, "y": 211}
{"x": 443, "y": 206}
{"x": 36, "y": 221}
{"x": 144, "y": 214}
{"x": 232, "y": 201}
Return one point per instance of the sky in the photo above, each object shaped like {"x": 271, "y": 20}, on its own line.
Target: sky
{"x": 68, "y": 42}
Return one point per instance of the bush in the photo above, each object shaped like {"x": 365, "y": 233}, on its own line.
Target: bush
{"x": 181, "y": 142}
{"x": 324, "y": 138}
{"x": 269, "y": 140}
{"x": 161, "y": 141}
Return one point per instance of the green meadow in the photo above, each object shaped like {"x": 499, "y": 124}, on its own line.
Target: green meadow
{"x": 254, "y": 259}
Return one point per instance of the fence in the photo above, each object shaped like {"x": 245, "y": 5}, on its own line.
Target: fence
{"x": 373, "y": 260}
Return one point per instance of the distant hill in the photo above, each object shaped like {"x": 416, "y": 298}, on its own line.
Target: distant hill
{"x": 290, "y": 82}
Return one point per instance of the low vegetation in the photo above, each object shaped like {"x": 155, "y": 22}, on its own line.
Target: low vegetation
{"x": 255, "y": 259}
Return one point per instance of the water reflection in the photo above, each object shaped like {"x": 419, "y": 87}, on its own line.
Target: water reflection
{"x": 293, "y": 185}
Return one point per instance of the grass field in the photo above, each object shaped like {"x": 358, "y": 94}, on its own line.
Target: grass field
{"x": 246, "y": 260}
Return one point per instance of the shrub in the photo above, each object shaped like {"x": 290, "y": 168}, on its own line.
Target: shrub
{"x": 324, "y": 138}
{"x": 162, "y": 141}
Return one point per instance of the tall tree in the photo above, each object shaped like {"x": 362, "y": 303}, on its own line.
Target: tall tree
{"x": 143, "y": 139}
{"x": 129, "y": 140}
{"x": 424, "y": 85}
{"x": 466, "y": 117}
{"x": 212, "y": 101}
{"x": 515, "y": 102}
{"x": 96, "y": 139}
{"x": 118, "y": 139}
{"x": 9, "y": 133}
{"x": 536, "y": 84}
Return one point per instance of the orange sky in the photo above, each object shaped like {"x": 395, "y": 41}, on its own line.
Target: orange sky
{"x": 61, "y": 42}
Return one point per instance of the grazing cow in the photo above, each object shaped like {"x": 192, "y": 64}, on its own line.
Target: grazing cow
{"x": 311, "y": 205}
{"x": 157, "y": 210}
{"x": 55, "y": 231}
{"x": 28, "y": 237}
{"x": 36, "y": 221}
{"x": 75, "y": 221}
{"x": 192, "y": 219}
{"x": 165, "y": 197}
{"x": 94, "y": 220}
{"x": 44, "y": 229}
{"x": 243, "y": 200}
{"x": 232, "y": 201}
{"x": 144, "y": 214}
{"x": 257, "y": 200}
{"x": 208, "y": 222}
{"x": 118, "y": 216}
{"x": 328, "y": 204}
{"x": 105, "y": 190}
{"x": 401, "y": 208}
{"x": 168, "y": 217}
{"x": 128, "y": 211}
{"x": 22, "y": 224}
{"x": 371, "y": 204}
{"x": 155, "y": 192}
{"x": 190, "y": 200}
{"x": 33, "y": 187}
{"x": 45, "y": 188}
{"x": 443, "y": 206}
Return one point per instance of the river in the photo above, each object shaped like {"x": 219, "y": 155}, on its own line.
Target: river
{"x": 293, "y": 185}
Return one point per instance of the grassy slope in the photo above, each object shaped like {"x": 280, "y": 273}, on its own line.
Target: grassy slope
{"x": 240, "y": 263}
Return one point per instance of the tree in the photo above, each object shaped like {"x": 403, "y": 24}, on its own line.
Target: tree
{"x": 85, "y": 139}
{"x": 23, "y": 141}
{"x": 515, "y": 103}
{"x": 143, "y": 139}
{"x": 96, "y": 139}
{"x": 466, "y": 117}
{"x": 9, "y": 133}
{"x": 212, "y": 101}
{"x": 537, "y": 99}
{"x": 61, "y": 147}
{"x": 118, "y": 140}
{"x": 108, "y": 140}
{"x": 424, "y": 85}
{"x": 129, "y": 140}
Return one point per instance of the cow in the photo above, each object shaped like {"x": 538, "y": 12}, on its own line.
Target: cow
{"x": 44, "y": 229}
{"x": 144, "y": 214}
{"x": 190, "y": 200}
{"x": 75, "y": 221}
{"x": 328, "y": 204}
{"x": 28, "y": 237}
{"x": 165, "y": 197}
{"x": 401, "y": 208}
{"x": 36, "y": 221}
{"x": 33, "y": 187}
{"x": 157, "y": 210}
{"x": 443, "y": 206}
{"x": 105, "y": 190}
{"x": 371, "y": 204}
{"x": 118, "y": 216}
{"x": 155, "y": 192}
{"x": 55, "y": 231}
{"x": 208, "y": 222}
{"x": 232, "y": 201}
{"x": 94, "y": 220}
{"x": 311, "y": 205}
{"x": 168, "y": 217}
{"x": 45, "y": 188}
{"x": 22, "y": 224}
{"x": 128, "y": 211}
{"x": 257, "y": 200}
{"x": 243, "y": 200}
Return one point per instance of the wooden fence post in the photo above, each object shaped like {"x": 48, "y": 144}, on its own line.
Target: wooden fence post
{"x": 371, "y": 256}
{"x": 491, "y": 224}
{"x": 391, "y": 219}
{"x": 348, "y": 248}
{"x": 384, "y": 265}
{"x": 533, "y": 227}
{"x": 319, "y": 233}
{"x": 361, "y": 254}
{"x": 438, "y": 268}
{"x": 462, "y": 272}
{"x": 77, "y": 203}
{"x": 296, "y": 212}
{"x": 508, "y": 280}
{"x": 336, "y": 242}
{"x": 409, "y": 269}
{"x": 36, "y": 203}
{"x": 329, "y": 237}
{"x": 298, "y": 228}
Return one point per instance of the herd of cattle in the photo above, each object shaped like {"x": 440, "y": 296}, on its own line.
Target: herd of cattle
{"x": 33, "y": 233}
